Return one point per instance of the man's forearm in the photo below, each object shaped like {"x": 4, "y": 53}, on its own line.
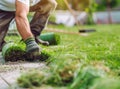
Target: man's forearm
{"x": 21, "y": 20}
{"x": 23, "y": 27}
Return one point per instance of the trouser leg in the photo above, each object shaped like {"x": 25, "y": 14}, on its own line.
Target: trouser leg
{"x": 5, "y": 19}
{"x": 42, "y": 12}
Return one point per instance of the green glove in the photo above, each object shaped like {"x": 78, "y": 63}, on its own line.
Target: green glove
{"x": 32, "y": 46}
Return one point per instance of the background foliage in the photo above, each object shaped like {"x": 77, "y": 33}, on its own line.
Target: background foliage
{"x": 83, "y": 4}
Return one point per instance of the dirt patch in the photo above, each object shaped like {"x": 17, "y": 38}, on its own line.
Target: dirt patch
{"x": 9, "y": 72}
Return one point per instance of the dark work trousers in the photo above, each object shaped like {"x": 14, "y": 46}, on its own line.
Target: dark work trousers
{"x": 5, "y": 19}
{"x": 42, "y": 11}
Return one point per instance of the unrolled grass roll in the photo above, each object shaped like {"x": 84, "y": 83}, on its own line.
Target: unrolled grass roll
{"x": 44, "y": 56}
{"x": 52, "y": 38}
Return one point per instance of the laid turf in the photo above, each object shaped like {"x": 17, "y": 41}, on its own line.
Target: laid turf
{"x": 100, "y": 50}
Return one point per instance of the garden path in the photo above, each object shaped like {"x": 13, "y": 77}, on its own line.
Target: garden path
{"x": 9, "y": 72}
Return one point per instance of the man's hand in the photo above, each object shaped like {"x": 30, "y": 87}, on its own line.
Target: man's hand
{"x": 21, "y": 20}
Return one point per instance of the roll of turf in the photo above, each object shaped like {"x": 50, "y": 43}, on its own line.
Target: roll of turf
{"x": 52, "y": 38}
{"x": 13, "y": 52}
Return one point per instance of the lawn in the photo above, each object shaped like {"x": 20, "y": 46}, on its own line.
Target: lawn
{"x": 79, "y": 59}
{"x": 102, "y": 45}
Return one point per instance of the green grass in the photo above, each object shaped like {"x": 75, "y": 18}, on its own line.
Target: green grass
{"x": 102, "y": 45}
{"x": 100, "y": 49}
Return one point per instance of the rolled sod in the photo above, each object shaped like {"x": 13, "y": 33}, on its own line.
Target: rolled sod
{"x": 13, "y": 52}
{"x": 52, "y": 38}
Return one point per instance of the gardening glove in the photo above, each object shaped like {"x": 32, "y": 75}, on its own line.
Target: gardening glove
{"x": 32, "y": 46}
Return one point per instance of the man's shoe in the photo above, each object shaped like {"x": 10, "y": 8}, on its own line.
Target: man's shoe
{"x": 39, "y": 41}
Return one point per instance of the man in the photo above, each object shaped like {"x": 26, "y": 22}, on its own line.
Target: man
{"x": 19, "y": 9}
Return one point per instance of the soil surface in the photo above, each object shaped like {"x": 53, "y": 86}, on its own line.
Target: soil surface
{"x": 9, "y": 72}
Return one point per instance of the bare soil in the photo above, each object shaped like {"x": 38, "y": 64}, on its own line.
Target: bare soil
{"x": 9, "y": 72}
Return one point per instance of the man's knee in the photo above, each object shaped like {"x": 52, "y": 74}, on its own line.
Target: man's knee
{"x": 53, "y": 4}
{"x": 44, "y": 6}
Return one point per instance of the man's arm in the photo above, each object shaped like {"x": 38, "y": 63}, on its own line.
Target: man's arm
{"x": 21, "y": 20}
